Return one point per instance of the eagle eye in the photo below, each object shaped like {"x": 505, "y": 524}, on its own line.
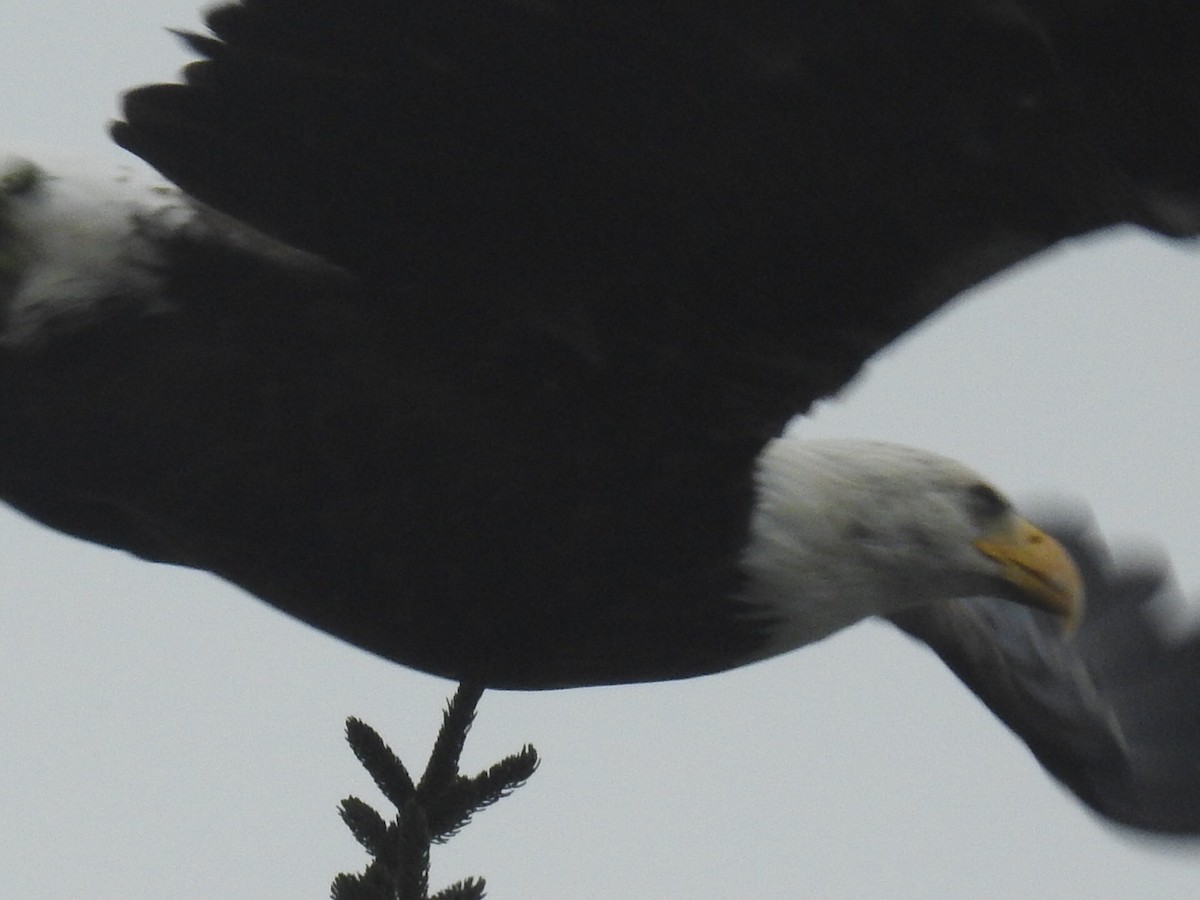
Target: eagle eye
{"x": 986, "y": 501}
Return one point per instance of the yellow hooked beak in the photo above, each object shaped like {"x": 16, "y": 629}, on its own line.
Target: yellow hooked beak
{"x": 1038, "y": 566}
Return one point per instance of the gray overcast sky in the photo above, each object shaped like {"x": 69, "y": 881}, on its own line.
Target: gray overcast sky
{"x": 166, "y": 735}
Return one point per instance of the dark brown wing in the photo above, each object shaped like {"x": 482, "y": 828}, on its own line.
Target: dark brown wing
{"x": 785, "y": 185}
{"x": 1114, "y": 712}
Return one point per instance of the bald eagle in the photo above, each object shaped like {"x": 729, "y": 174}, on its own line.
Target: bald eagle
{"x": 468, "y": 331}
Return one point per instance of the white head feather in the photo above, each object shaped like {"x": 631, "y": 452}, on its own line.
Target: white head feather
{"x": 847, "y": 529}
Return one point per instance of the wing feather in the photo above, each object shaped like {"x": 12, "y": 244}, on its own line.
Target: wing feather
{"x": 1112, "y": 712}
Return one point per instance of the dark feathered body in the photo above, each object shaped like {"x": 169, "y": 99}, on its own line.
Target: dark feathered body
{"x": 287, "y": 445}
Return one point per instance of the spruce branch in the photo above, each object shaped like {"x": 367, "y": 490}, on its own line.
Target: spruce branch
{"x": 467, "y": 796}
{"x": 431, "y": 812}
{"x": 412, "y": 869}
{"x": 378, "y": 759}
{"x": 467, "y": 889}
{"x": 442, "y": 769}
{"x": 373, "y": 884}
{"x": 365, "y": 824}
